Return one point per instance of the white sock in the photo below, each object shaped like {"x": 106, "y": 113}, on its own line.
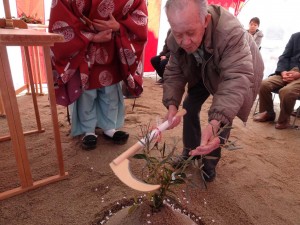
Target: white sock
{"x": 110, "y": 132}
{"x": 86, "y": 134}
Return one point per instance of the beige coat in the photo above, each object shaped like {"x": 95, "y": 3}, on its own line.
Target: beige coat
{"x": 232, "y": 69}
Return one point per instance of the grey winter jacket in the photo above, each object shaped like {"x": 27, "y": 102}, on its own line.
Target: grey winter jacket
{"x": 232, "y": 69}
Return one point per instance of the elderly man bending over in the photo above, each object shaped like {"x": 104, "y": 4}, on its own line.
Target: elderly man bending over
{"x": 213, "y": 54}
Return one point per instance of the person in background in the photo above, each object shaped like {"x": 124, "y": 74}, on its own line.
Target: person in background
{"x": 286, "y": 81}
{"x": 104, "y": 41}
{"x": 160, "y": 61}
{"x": 213, "y": 55}
{"x": 255, "y": 32}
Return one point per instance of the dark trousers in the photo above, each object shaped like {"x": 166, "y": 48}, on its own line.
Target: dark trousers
{"x": 193, "y": 102}
{"x": 159, "y": 65}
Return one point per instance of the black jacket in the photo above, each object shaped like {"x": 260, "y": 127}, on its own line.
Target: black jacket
{"x": 291, "y": 55}
{"x": 166, "y": 50}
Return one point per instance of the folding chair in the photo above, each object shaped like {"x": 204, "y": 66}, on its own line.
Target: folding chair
{"x": 297, "y": 115}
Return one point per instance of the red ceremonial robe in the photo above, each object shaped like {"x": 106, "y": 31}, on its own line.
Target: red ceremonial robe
{"x": 80, "y": 64}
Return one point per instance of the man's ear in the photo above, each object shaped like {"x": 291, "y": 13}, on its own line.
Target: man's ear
{"x": 207, "y": 20}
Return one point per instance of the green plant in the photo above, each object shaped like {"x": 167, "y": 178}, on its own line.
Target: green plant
{"x": 158, "y": 169}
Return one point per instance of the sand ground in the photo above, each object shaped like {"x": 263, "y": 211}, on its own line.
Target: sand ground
{"x": 258, "y": 184}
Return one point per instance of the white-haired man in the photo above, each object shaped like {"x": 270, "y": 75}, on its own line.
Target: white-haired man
{"x": 213, "y": 54}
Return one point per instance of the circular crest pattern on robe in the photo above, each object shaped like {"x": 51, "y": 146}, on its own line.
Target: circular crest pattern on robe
{"x": 98, "y": 64}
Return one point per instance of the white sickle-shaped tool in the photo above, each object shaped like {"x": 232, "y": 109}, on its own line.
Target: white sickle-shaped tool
{"x": 120, "y": 165}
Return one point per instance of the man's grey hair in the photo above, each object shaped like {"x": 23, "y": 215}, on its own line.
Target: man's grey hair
{"x": 181, "y": 4}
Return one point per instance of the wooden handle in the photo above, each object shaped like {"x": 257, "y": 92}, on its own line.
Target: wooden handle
{"x": 137, "y": 146}
{"x": 181, "y": 113}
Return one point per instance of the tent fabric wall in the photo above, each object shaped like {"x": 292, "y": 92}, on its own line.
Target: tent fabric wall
{"x": 235, "y": 5}
{"x": 33, "y": 8}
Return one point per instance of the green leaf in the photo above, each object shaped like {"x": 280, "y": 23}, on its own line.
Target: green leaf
{"x": 139, "y": 156}
{"x": 132, "y": 208}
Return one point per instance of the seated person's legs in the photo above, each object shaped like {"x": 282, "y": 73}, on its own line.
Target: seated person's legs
{"x": 288, "y": 96}
{"x": 155, "y": 62}
{"x": 163, "y": 64}
{"x": 266, "y": 107}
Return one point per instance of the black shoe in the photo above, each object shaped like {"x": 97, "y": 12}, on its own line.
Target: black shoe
{"x": 119, "y": 137}
{"x": 89, "y": 142}
{"x": 210, "y": 175}
{"x": 209, "y": 169}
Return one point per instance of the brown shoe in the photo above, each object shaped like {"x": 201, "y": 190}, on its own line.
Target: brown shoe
{"x": 281, "y": 126}
{"x": 264, "y": 117}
